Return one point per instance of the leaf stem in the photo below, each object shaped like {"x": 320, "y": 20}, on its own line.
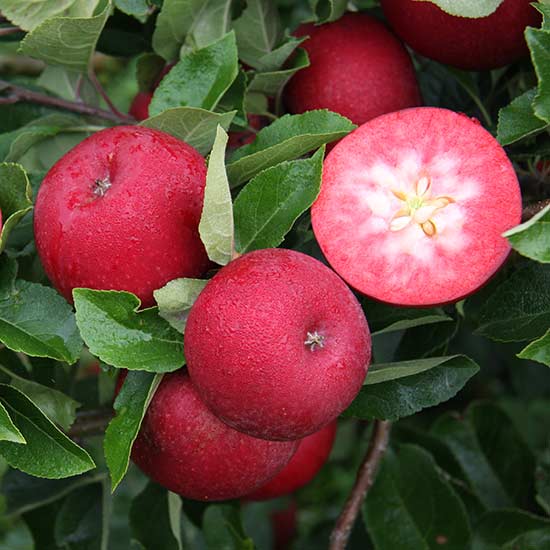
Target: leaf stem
{"x": 18, "y": 93}
{"x": 365, "y": 478}
{"x": 100, "y": 90}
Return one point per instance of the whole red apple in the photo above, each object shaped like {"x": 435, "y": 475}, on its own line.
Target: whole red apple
{"x": 120, "y": 211}
{"x": 277, "y": 345}
{"x": 184, "y": 447}
{"x": 463, "y": 42}
{"x": 357, "y": 68}
{"x": 312, "y": 453}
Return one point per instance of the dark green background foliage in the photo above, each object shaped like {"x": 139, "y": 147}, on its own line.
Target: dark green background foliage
{"x": 467, "y": 385}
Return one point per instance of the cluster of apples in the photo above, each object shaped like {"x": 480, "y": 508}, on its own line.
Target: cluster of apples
{"x": 411, "y": 211}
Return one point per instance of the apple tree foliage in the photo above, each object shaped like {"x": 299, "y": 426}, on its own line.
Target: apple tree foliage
{"x": 466, "y": 386}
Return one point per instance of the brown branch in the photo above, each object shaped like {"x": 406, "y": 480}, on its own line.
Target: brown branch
{"x": 365, "y": 478}
{"x": 534, "y": 208}
{"x": 10, "y": 30}
{"x": 90, "y": 423}
{"x": 18, "y": 93}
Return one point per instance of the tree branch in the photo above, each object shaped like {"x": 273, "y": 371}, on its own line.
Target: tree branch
{"x": 534, "y": 208}
{"x": 99, "y": 88}
{"x": 18, "y": 93}
{"x": 10, "y": 30}
{"x": 90, "y": 423}
{"x": 365, "y": 478}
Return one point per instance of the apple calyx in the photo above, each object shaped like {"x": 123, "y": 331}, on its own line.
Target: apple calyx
{"x": 418, "y": 207}
{"x": 101, "y": 186}
{"x": 314, "y": 339}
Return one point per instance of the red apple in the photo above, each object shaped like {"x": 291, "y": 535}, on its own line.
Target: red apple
{"x": 277, "y": 345}
{"x": 312, "y": 453}
{"x": 120, "y": 211}
{"x": 358, "y": 69}
{"x": 413, "y": 206}
{"x": 467, "y": 43}
{"x": 185, "y": 448}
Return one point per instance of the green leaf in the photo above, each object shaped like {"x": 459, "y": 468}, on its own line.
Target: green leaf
{"x": 81, "y": 523}
{"x": 268, "y": 206}
{"x": 499, "y": 527}
{"x": 531, "y": 238}
{"x": 155, "y": 518}
{"x": 395, "y": 390}
{"x": 258, "y": 31}
{"x": 498, "y": 479}
{"x": 196, "y": 127}
{"x": 136, "y": 8}
{"x": 200, "y": 78}
{"x": 148, "y": 68}
{"x": 20, "y": 141}
{"x": 426, "y": 341}
{"x": 15, "y": 198}
{"x": 519, "y": 308}
{"x": 8, "y": 273}
{"x": 176, "y": 298}
{"x": 538, "y": 41}
{"x": 384, "y": 318}
{"x": 8, "y": 430}
{"x": 121, "y": 336}
{"x": 200, "y": 21}
{"x": 222, "y": 524}
{"x": 518, "y": 119}
{"x": 216, "y": 225}
{"x": 468, "y": 8}
{"x": 22, "y": 326}
{"x": 24, "y": 493}
{"x": 289, "y": 137}
{"x": 533, "y": 540}
{"x": 130, "y": 407}
{"x": 410, "y": 504}
{"x": 29, "y": 15}
{"x": 57, "y": 406}
{"x": 271, "y": 82}
{"x": 48, "y": 452}
{"x": 328, "y": 10}
{"x": 538, "y": 350}
{"x": 66, "y": 41}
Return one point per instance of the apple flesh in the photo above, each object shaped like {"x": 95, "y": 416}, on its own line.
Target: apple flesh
{"x": 120, "y": 211}
{"x": 467, "y": 43}
{"x": 413, "y": 206}
{"x": 185, "y": 448}
{"x": 358, "y": 68}
{"x": 277, "y": 345}
{"x": 312, "y": 453}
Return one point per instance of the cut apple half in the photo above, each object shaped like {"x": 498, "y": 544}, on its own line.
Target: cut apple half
{"x": 413, "y": 205}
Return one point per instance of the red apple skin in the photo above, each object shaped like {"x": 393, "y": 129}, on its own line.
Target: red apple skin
{"x": 313, "y": 451}
{"x": 139, "y": 108}
{"x": 245, "y": 344}
{"x": 467, "y": 43}
{"x": 141, "y": 233}
{"x": 358, "y": 68}
{"x": 185, "y": 448}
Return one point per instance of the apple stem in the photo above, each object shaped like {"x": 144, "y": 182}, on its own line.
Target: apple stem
{"x": 19, "y": 93}
{"x": 363, "y": 482}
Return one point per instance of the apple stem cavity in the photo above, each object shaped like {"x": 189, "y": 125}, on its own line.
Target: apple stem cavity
{"x": 314, "y": 339}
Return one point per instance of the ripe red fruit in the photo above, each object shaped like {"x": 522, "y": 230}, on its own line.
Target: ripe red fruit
{"x": 358, "y": 69}
{"x": 312, "y": 453}
{"x": 185, "y": 448}
{"x": 413, "y": 205}
{"x": 467, "y": 43}
{"x": 120, "y": 211}
{"x": 277, "y": 345}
